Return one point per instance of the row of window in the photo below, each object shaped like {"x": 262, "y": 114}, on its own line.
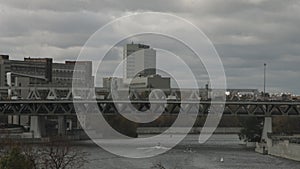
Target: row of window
{"x": 67, "y": 70}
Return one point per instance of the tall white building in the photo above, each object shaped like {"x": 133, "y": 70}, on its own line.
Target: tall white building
{"x": 140, "y": 59}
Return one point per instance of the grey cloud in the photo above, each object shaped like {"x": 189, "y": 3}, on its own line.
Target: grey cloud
{"x": 246, "y": 33}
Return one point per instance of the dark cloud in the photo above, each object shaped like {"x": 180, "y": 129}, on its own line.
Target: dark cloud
{"x": 246, "y": 33}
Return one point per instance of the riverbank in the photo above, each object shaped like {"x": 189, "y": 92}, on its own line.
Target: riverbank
{"x": 281, "y": 146}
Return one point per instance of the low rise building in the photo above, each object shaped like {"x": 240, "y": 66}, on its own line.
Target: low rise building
{"x": 44, "y": 72}
{"x": 152, "y": 82}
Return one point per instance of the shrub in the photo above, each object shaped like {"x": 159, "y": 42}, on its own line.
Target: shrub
{"x": 15, "y": 159}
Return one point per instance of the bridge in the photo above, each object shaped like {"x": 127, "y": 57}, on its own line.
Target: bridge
{"x": 61, "y": 102}
{"x": 36, "y": 109}
{"x": 108, "y": 107}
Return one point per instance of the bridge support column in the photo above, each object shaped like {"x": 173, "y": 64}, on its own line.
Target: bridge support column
{"x": 267, "y": 129}
{"x": 10, "y": 119}
{"x": 13, "y": 119}
{"x": 37, "y": 126}
{"x": 61, "y": 125}
{"x": 16, "y": 119}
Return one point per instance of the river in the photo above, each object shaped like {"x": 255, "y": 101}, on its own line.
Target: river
{"x": 190, "y": 155}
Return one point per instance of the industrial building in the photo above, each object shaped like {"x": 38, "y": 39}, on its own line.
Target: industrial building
{"x": 151, "y": 82}
{"x": 113, "y": 82}
{"x": 42, "y": 72}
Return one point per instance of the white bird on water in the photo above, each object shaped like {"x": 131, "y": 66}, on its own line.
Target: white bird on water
{"x": 222, "y": 160}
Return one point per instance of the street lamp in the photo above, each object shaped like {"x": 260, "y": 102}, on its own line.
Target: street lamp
{"x": 265, "y": 66}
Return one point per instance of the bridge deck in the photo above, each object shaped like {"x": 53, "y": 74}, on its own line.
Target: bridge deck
{"x": 170, "y": 107}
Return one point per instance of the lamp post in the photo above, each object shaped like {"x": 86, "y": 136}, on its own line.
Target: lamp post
{"x": 265, "y": 66}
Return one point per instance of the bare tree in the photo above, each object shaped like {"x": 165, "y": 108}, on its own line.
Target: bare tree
{"x": 56, "y": 154}
{"x": 60, "y": 154}
{"x": 33, "y": 154}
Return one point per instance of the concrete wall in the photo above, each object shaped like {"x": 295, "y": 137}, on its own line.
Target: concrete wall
{"x": 181, "y": 130}
{"x": 286, "y": 150}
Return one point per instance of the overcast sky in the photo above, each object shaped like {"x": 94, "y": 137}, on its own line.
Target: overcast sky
{"x": 245, "y": 33}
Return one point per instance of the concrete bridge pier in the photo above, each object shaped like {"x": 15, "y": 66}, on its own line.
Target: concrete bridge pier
{"x": 13, "y": 119}
{"x": 37, "y": 126}
{"x": 16, "y": 119}
{"x": 267, "y": 129}
{"x": 10, "y": 119}
{"x": 62, "y": 123}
